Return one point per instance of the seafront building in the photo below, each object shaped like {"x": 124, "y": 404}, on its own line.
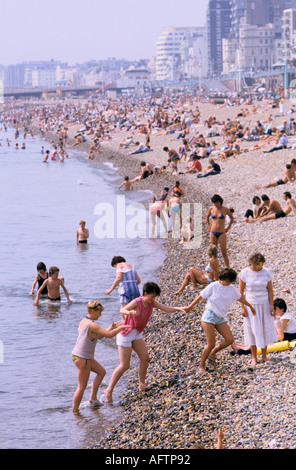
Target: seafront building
{"x": 256, "y": 47}
{"x": 194, "y": 55}
{"x": 218, "y": 27}
{"x": 172, "y": 47}
{"x": 289, "y": 36}
{"x": 240, "y": 37}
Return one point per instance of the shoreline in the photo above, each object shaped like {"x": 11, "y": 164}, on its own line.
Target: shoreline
{"x": 182, "y": 408}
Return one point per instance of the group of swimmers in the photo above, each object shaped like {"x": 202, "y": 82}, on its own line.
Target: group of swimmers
{"x": 58, "y": 153}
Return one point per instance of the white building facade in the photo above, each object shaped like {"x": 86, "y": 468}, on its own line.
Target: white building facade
{"x": 289, "y": 36}
{"x": 44, "y": 78}
{"x": 256, "y": 49}
{"x": 195, "y": 54}
{"x": 169, "y": 48}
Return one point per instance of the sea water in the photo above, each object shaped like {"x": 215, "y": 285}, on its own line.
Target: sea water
{"x": 41, "y": 206}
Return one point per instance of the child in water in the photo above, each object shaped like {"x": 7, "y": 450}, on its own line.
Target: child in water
{"x": 40, "y": 278}
{"x": 82, "y": 233}
{"x": 126, "y": 183}
{"x": 83, "y": 353}
{"x": 46, "y": 156}
{"x": 53, "y": 284}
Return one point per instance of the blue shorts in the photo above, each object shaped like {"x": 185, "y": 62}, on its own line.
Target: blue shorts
{"x": 210, "y": 317}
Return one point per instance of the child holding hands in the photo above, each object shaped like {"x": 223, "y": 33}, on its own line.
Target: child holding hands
{"x": 219, "y": 296}
{"x": 83, "y": 353}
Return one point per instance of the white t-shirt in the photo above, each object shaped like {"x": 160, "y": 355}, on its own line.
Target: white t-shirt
{"x": 219, "y": 297}
{"x": 256, "y": 284}
{"x": 291, "y": 325}
{"x": 283, "y": 140}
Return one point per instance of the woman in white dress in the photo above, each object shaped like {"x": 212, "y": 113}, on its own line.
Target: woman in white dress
{"x": 255, "y": 283}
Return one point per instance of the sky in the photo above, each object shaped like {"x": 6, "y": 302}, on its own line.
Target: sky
{"x": 76, "y": 31}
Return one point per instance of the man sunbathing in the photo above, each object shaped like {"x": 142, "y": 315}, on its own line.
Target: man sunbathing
{"x": 289, "y": 176}
{"x": 290, "y": 206}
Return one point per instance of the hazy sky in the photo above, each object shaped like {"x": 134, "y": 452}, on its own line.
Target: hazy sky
{"x": 79, "y": 30}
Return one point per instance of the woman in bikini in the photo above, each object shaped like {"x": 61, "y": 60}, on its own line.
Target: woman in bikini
{"x": 198, "y": 277}
{"x": 175, "y": 205}
{"x": 156, "y": 210}
{"x": 215, "y": 221}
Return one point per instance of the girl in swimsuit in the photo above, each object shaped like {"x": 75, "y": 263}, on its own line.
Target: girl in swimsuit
{"x": 40, "y": 278}
{"x": 175, "y": 205}
{"x": 216, "y": 214}
{"x": 198, "y": 277}
{"x": 156, "y": 210}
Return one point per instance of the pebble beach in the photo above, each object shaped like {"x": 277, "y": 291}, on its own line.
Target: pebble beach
{"x": 255, "y": 409}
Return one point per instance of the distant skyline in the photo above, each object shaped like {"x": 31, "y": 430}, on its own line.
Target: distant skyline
{"x": 76, "y": 31}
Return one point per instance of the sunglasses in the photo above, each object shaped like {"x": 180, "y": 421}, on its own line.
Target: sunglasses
{"x": 98, "y": 306}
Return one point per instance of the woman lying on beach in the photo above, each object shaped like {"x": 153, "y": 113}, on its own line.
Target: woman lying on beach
{"x": 126, "y": 142}
{"x": 217, "y": 214}
{"x": 198, "y": 277}
{"x": 248, "y": 136}
{"x": 137, "y": 313}
{"x": 142, "y": 148}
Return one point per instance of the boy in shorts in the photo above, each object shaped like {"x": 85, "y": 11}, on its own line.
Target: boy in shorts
{"x": 53, "y": 284}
